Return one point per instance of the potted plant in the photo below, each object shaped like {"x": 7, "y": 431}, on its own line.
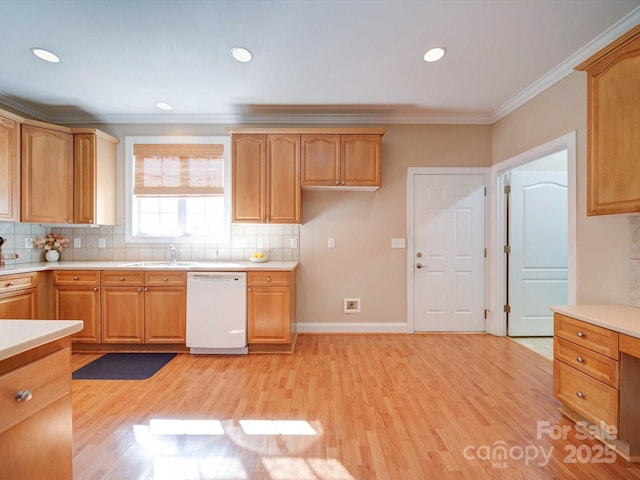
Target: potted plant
{"x": 52, "y": 244}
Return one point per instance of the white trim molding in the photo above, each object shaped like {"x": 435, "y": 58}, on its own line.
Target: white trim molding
{"x": 333, "y": 327}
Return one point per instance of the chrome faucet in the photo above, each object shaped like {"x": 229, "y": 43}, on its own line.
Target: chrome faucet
{"x": 172, "y": 254}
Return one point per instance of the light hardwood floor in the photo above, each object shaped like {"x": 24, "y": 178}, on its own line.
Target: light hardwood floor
{"x": 358, "y": 407}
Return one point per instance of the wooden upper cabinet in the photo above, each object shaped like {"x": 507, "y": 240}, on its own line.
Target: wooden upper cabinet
{"x": 248, "y": 170}
{"x": 283, "y": 179}
{"x": 94, "y": 177}
{"x": 341, "y": 161}
{"x": 266, "y": 178}
{"x": 47, "y": 173}
{"x": 613, "y": 106}
{"x": 9, "y": 169}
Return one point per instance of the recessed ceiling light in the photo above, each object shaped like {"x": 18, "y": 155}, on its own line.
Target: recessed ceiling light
{"x": 45, "y": 55}
{"x": 241, "y": 54}
{"x": 164, "y": 106}
{"x": 434, "y": 54}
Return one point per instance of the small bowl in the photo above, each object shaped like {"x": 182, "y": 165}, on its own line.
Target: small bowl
{"x": 258, "y": 260}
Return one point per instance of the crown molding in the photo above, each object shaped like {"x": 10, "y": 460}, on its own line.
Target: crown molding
{"x": 568, "y": 66}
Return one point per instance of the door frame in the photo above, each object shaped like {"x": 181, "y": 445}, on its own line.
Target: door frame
{"x": 412, "y": 172}
{"x": 496, "y": 319}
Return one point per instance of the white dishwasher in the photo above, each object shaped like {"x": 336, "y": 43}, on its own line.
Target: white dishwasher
{"x": 217, "y": 312}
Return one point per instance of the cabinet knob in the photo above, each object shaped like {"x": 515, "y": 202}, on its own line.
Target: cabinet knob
{"x": 164, "y": 279}
{"x": 122, "y": 279}
{"x": 95, "y": 289}
{"x": 580, "y": 360}
{"x": 75, "y": 278}
{"x": 10, "y": 284}
{"x": 579, "y": 394}
{"x": 90, "y": 221}
{"x": 337, "y": 182}
{"x": 70, "y": 220}
{"x": 146, "y": 289}
{"x": 268, "y": 278}
{"x": 580, "y": 334}
{"x": 343, "y": 182}
{"x": 139, "y": 289}
{"x": 24, "y": 395}
{"x": 249, "y": 289}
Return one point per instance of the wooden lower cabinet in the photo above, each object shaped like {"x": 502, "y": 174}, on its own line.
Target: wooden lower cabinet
{"x": 152, "y": 310}
{"x": 77, "y": 297}
{"x": 18, "y": 296}
{"x": 36, "y": 436}
{"x": 271, "y": 308}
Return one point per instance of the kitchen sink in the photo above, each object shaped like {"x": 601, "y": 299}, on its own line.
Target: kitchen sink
{"x": 162, "y": 264}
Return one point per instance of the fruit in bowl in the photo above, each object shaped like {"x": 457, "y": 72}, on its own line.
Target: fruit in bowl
{"x": 258, "y": 257}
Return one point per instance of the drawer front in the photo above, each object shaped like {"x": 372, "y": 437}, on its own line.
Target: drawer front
{"x": 590, "y": 398}
{"x": 598, "y": 339}
{"x": 597, "y": 366}
{"x": 10, "y": 283}
{"x": 48, "y": 379}
{"x": 79, "y": 277}
{"x": 124, "y": 278}
{"x": 165, "y": 279}
{"x": 268, "y": 278}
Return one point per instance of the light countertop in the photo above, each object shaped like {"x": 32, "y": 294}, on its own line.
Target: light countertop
{"x": 619, "y": 318}
{"x": 138, "y": 265}
{"x": 17, "y": 336}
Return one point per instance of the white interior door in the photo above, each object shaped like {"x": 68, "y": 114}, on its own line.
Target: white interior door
{"x": 449, "y": 239}
{"x": 538, "y": 237}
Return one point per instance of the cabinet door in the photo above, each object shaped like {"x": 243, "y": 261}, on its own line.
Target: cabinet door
{"x": 122, "y": 315}
{"x": 9, "y": 170}
{"x": 165, "y": 315}
{"x": 19, "y": 305}
{"x": 283, "y": 179}
{"x": 269, "y": 319}
{"x": 80, "y": 303}
{"x": 360, "y": 160}
{"x": 94, "y": 179}
{"x": 47, "y": 175}
{"x": 320, "y": 159}
{"x": 248, "y": 172}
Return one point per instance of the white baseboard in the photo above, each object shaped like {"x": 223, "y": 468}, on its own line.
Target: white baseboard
{"x": 395, "y": 327}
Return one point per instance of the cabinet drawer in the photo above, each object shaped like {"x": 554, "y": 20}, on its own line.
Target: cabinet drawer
{"x": 10, "y": 283}
{"x": 597, "y": 366}
{"x": 588, "y": 397}
{"x": 124, "y": 278}
{"x": 268, "y": 278}
{"x": 165, "y": 279}
{"x": 79, "y": 277}
{"x": 48, "y": 379}
{"x": 598, "y": 339}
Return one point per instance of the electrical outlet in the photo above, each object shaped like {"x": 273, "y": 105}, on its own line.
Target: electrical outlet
{"x": 331, "y": 242}
{"x": 28, "y": 243}
{"x": 293, "y": 243}
{"x": 77, "y": 242}
{"x": 102, "y": 243}
{"x": 351, "y": 305}
{"x": 260, "y": 243}
{"x": 240, "y": 243}
{"x": 397, "y": 243}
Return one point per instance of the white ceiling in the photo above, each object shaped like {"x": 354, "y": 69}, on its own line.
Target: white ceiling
{"x": 314, "y": 60}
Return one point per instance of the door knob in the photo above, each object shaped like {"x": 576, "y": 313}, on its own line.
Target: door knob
{"x": 419, "y": 265}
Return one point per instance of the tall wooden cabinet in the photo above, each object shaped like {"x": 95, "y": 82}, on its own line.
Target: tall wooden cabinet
{"x": 9, "y": 167}
{"x": 266, "y": 178}
{"x": 47, "y": 173}
{"x": 613, "y": 116}
{"x": 94, "y": 177}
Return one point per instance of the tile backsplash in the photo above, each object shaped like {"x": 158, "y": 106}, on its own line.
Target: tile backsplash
{"x": 276, "y": 240}
{"x": 634, "y": 293}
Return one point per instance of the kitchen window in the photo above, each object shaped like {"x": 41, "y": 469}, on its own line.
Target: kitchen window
{"x": 177, "y": 189}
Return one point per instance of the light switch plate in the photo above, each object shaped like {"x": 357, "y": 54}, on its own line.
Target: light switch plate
{"x": 28, "y": 243}
{"x": 240, "y": 243}
{"x": 293, "y": 243}
{"x": 102, "y": 243}
{"x": 77, "y": 242}
{"x": 331, "y": 242}
{"x": 397, "y": 243}
{"x": 260, "y": 243}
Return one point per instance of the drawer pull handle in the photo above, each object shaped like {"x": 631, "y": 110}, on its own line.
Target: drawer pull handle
{"x": 580, "y": 334}
{"x": 579, "y": 394}
{"x": 164, "y": 279}
{"x": 580, "y": 360}
{"x": 10, "y": 284}
{"x": 24, "y": 395}
{"x": 122, "y": 279}
{"x": 75, "y": 278}
{"x": 268, "y": 278}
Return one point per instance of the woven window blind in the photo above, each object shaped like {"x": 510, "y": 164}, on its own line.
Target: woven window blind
{"x": 179, "y": 170}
